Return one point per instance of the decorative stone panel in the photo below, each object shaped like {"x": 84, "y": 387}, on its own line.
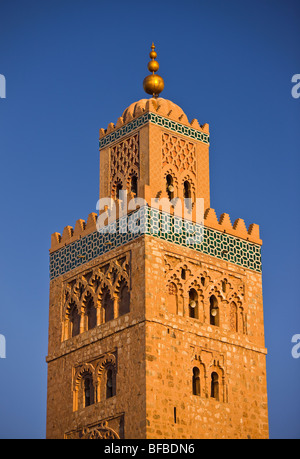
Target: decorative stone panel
{"x": 162, "y": 225}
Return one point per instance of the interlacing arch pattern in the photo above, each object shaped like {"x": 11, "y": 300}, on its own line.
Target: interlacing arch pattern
{"x": 124, "y": 162}
{"x": 208, "y": 295}
{"x": 86, "y": 368}
{"x": 101, "y": 377}
{"x": 94, "y": 297}
{"x": 179, "y": 167}
{"x": 187, "y": 179}
{"x": 207, "y": 376}
{"x": 103, "y": 430}
{"x": 117, "y": 185}
{"x": 172, "y": 172}
{"x": 183, "y": 183}
{"x": 179, "y": 153}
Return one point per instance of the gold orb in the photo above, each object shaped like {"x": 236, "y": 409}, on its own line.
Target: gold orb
{"x": 153, "y": 66}
{"x": 153, "y": 55}
{"x": 153, "y": 84}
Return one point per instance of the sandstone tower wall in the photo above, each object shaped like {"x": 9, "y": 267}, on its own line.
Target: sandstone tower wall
{"x": 152, "y": 335}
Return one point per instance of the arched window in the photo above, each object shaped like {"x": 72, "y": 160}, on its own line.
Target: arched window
{"x": 106, "y": 378}
{"x": 88, "y": 389}
{"x": 241, "y": 320}
{"x": 107, "y": 305}
{"x": 118, "y": 190}
{"x": 233, "y": 317}
{"x": 193, "y": 304}
{"x": 187, "y": 193}
{"x": 170, "y": 186}
{"x": 74, "y": 321}
{"x": 196, "y": 381}
{"x": 91, "y": 313}
{"x": 109, "y": 383}
{"x": 214, "y": 311}
{"x": 214, "y": 386}
{"x": 134, "y": 184}
{"x": 224, "y": 284}
{"x": 124, "y": 299}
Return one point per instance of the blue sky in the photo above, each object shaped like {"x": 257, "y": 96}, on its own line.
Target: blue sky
{"x": 72, "y": 67}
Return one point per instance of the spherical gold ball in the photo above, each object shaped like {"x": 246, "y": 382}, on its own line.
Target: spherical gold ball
{"x": 153, "y": 84}
{"x": 153, "y": 66}
{"x": 153, "y": 55}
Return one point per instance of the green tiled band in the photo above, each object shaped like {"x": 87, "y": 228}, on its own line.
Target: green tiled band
{"x": 163, "y": 226}
{"x": 155, "y": 119}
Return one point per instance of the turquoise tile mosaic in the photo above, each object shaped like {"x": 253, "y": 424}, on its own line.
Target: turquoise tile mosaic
{"x": 147, "y": 220}
{"x": 155, "y": 119}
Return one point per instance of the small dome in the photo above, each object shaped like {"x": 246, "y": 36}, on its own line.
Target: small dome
{"x": 162, "y": 106}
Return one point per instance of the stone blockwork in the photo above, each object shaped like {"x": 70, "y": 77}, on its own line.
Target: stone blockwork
{"x": 155, "y": 348}
{"x": 176, "y": 343}
{"x": 170, "y": 135}
{"x": 151, "y": 335}
{"x": 119, "y": 341}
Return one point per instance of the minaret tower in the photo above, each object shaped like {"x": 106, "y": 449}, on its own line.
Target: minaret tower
{"x": 156, "y": 326}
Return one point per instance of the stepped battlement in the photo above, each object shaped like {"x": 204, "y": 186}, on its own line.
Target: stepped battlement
{"x": 162, "y": 107}
{"x": 223, "y": 225}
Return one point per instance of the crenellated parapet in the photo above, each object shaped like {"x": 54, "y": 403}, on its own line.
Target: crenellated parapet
{"x": 165, "y": 113}
{"x": 216, "y": 238}
{"x": 156, "y": 264}
{"x": 71, "y": 234}
{"x": 238, "y": 228}
{"x": 222, "y": 225}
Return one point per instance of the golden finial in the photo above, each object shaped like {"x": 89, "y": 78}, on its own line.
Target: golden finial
{"x": 153, "y": 84}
